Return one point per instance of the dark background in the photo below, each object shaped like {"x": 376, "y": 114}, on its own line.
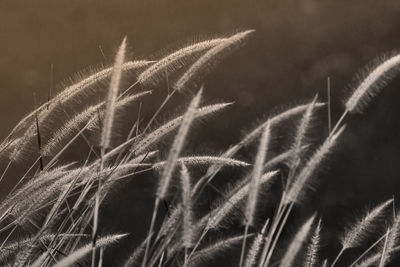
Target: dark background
{"x": 296, "y": 46}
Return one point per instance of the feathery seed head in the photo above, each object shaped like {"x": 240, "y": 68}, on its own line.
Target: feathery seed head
{"x": 112, "y": 96}
{"x": 233, "y": 198}
{"x": 187, "y": 207}
{"x": 168, "y": 64}
{"x": 256, "y": 175}
{"x": 313, "y": 248}
{"x": 210, "y": 57}
{"x": 356, "y": 234}
{"x": 296, "y": 244}
{"x": 177, "y": 146}
{"x": 372, "y": 84}
{"x": 310, "y": 167}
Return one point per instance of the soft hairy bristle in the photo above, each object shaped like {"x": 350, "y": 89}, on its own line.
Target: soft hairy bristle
{"x": 135, "y": 255}
{"x": 313, "y": 248}
{"x": 171, "y": 62}
{"x": 256, "y": 175}
{"x": 375, "y": 258}
{"x": 112, "y": 96}
{"x": 393, "y": 239}
{"x": 237, "y": 194}
{"x": 202, "y": 160}
{"x": 384, "y": 253}
{"x": 310, "y": 167}
{"x": 211, "y": 56}
{"x": 69, "y": 93}
{"x": 372, "y": 84}
{"x": 303, "y": 127}
{"x": 299, "y": 239}
{"x": 248, "y": 138}
{"x": 187, "y": 207}
{"x": 74, "y": 125}
{"x": 209, "y": 252}
{"x": 273, "y": 121}
{"x": 72, "y": 91}
{"x": 356, "y": 234}
{"x": 299, "y": 140}
{"x": 44, "y": 112}
{"x": 255, "y": 247}
{"x": 177, "y": 146}
{"x": 173, "y": 124}
{"x": 81, "y": 252}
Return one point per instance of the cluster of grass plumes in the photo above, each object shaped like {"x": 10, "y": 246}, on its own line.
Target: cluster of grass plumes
{"x": 53, "y": 213}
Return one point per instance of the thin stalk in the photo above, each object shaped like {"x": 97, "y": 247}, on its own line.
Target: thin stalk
{"x": 277, "y": 218}
{"x": 246, "y": 229}
{"x": 281, "y": 226}
{"x": 161, "y": 259}
{"x": 367, "y": 250}
{"x": 101, "y": 257}
{"x": 153, "y": 220}
{"x": 8, "y": 236}
{"x": 337, "y": 257}
{"x": 329, "y": 104}
{"x": 67, "y": 145}
{"x": 338, "y": 123}
{"x": 203, "y": 234}
{"x": 383, "y": 256}
{"x": 153, "y": 118}
{"x": 96, "y": 209}
{"x": 158, "y": 110}
{"x": 39, "y": 142}
{"x": 185, "y": 260}
{"x": 5, "y": 171}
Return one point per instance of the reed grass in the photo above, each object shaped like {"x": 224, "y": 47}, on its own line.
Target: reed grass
{"x": 52, "y": 216}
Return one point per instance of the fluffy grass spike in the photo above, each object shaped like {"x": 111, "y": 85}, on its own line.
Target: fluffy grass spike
{"x": 187, "y": 208}
{"x": 237, "y": 195}
{"x": 301, "y": 133}
{"x": 81, "y": 252}
{"x": 372, "y": 84}
{"x": 256, "y": 175}
{"x": 112, "y": 96}
{"x": 209, "y": 57}
{"x": 313, "y": 248}
{"x": 310, "y": 167}
{"x": 356, "y": 234}
{"x": 255, "y": 247}
{"x": 169, "y": 63}
{"x": 154, "y": 136}
{"x": 296, "y": 244}
{"x": 177, "y": 146}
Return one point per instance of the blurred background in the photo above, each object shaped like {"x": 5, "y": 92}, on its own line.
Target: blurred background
{"x": 296, "y": 46}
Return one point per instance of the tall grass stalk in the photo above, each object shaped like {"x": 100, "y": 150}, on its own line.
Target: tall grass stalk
{"x": 106, "y": 132}
{"x": 384, "y": 253}
{"x": 357, "y": 232}
{"x": 175, "y": 150}
{"x": 255, "y": 184}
